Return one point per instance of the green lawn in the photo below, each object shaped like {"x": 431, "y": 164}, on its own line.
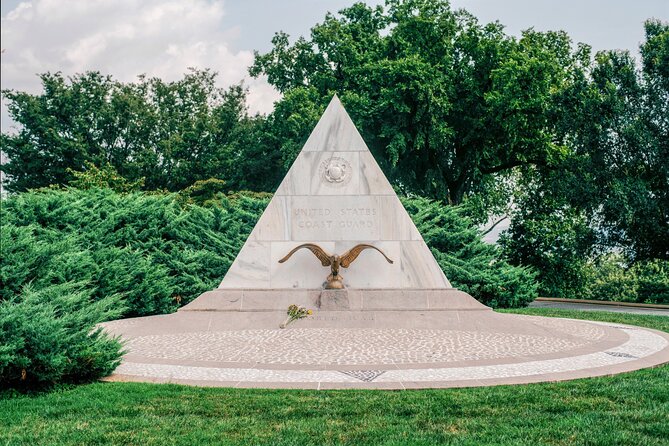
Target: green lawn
{"x": 628, "y": 409}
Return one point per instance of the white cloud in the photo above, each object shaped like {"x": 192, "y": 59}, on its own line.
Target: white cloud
{"x": 124, "y": 38}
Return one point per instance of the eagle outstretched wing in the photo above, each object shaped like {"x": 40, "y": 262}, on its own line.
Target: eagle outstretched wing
{"x": 353, "y": 253}
{"x": 324, "y": 257}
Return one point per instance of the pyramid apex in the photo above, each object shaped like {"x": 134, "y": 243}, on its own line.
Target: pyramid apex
{"x": 335, "y": 131}
{"x": 335, "y": 102}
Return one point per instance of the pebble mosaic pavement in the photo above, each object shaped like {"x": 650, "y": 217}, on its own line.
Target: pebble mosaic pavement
{"x": 359, "y": 346}
{"x": 299, "y": 356}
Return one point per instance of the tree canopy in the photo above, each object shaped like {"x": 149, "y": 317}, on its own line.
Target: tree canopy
{"x": 446, "y": 104}
{"x": 616, "y": 172}
{"x": 167, "y": 134}
{"x": 611, "y": 192}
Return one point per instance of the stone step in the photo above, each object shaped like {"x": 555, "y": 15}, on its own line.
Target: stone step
{"x": 241, "y": 300}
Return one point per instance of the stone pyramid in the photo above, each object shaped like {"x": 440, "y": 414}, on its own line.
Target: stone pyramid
{"x": 335, "y": 195}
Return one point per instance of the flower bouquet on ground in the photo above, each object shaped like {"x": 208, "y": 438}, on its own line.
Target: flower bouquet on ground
{"x": 294, "y": 312}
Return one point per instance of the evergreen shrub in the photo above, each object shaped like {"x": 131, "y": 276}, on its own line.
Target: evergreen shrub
{"x": 49, "y": 336}
{"x": 470, "y": 264}
{"x": 154, "y": 250}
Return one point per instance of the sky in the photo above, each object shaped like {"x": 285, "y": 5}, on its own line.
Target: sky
{"x": 125, "y": 38}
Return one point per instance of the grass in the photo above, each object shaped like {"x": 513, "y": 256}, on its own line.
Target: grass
{"x": 627, "y": 409}
{"x": 657, "y": 322}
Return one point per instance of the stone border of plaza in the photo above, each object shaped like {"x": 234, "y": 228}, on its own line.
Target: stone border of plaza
{"x": 644, "y": 348}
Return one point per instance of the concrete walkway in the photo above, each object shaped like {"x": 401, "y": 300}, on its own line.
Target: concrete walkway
{"x": 599, "y": 307}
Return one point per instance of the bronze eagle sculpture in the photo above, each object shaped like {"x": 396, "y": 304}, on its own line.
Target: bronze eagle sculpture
{"x": 334, "y": 281}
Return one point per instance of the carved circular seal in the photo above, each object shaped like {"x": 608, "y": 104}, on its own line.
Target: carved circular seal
{"x": 336, "y": 171}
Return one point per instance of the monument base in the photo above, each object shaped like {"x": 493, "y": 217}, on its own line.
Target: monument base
{"x": 363, "y": 308}
{"x": 253, "y": 300}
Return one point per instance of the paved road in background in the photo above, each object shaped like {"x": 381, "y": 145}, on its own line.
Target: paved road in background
{"x": 595, "y": 307}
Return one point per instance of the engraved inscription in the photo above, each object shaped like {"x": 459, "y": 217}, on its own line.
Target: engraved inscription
{"x": 342, "y": 218}
{"x": 343, "y": 318}
{"x": 335, "y": 218}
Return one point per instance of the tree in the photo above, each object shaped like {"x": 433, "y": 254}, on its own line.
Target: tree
{"x": 555, "y": 239}
{"x": 446, "y": 105}
{"x": 610, "y": 192}
{"x": 171, "y": 134}
{"x": 632, "y": 159}
{"x": 617, "y": 167}
{"x": 105, "y": 177}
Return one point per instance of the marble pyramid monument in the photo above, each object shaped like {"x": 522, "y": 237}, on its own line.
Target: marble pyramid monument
{"x": 334, "y": 195}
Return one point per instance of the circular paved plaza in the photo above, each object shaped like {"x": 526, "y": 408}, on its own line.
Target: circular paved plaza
{"x": 472, "y": 349}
